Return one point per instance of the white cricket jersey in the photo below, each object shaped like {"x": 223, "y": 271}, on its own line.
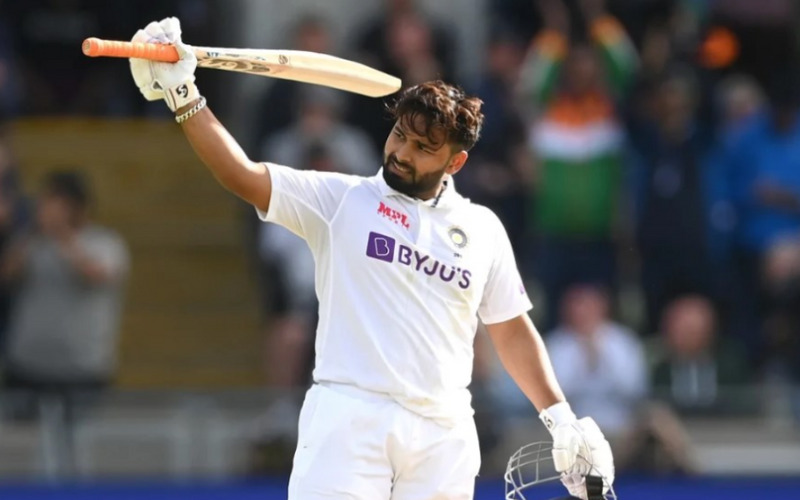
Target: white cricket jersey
{"x": 401, "y": 283}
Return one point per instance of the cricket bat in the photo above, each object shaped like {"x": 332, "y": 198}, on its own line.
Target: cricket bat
{"x": 297, "y": 65}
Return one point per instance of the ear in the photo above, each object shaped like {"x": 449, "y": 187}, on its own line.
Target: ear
{"x": 457, "y": 161}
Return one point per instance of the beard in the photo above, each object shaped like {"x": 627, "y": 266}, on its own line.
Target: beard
{"x": 412, "y": 183}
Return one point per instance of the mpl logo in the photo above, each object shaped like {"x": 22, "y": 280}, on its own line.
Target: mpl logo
{"x": 385, "y": 248}
{"x": 394, "y": 215}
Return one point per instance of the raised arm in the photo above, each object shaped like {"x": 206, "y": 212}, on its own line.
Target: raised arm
{"x": 214, "y": 145}
{"x": 619, "y": 54}
{"x": 543, "y": 61}
{"x": 229, "y": 164}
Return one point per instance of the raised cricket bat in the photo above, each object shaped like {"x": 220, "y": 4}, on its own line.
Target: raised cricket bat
{"x": 297, "y": 65}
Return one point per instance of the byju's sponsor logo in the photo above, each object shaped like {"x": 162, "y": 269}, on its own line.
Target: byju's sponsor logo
{"x": 385, "y": 248}
{"x": 393, "y": 215}
{"x": 380, "y": 247}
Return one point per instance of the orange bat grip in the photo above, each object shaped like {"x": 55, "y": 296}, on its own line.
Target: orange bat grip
{"x": 96, "y": 47}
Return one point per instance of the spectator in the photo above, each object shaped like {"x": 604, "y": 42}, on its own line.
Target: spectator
{"x": 500, "y": 161}
{"x": 765, "y": 192}
{"x": 578, "y": 140}
{"x": 318, "y": 121}
{"x": 387, "y": 44}
{"x": 781, "y": 281}
{"x": 737, "y": 101}
{"x": 600, "y": 364}
{"x": 69, "y": 276}
{"x": 276, "y": 109}
{"x": 672, "y": 199}
{"x": 657, "y": 445}
{"x": 14, "y": 219}
{"x": 403, "y": 42}
{"x": 695, "y": 369}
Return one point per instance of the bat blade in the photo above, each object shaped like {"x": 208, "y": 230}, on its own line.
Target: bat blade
{"x": 300, "y": 66}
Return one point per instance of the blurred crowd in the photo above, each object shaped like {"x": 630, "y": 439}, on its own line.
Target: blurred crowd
{"x": 644, "y": 156}
{"x": 62, "y": 281}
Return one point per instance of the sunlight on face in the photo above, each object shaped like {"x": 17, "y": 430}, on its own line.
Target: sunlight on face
{"x": 415, "y": 164}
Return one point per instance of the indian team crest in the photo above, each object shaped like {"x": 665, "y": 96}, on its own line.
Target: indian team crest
{"x": 458, "y": 236}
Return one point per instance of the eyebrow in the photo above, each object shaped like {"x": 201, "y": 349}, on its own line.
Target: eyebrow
{"x": 433, "y": 147}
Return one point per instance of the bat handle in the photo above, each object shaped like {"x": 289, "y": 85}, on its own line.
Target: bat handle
{"x": 96, "y": 47}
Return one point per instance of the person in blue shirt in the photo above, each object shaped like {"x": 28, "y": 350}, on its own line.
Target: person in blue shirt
{"x": 762, "y": 168}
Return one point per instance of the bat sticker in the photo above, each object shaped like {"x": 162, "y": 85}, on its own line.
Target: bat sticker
{"x": 226, "y": 64}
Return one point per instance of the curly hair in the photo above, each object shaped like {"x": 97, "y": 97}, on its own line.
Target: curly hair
{"x": 442, "y": 106}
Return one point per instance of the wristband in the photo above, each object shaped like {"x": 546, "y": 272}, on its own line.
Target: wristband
{"x": 181, "y": 95}
{"x": 559, "y": 413}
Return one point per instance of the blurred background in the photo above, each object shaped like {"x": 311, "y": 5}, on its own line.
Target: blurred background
{"x": 644, "y": 155}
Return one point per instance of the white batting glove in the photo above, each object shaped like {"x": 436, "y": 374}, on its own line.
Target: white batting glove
{"x": 579, "y": 449}
{"x": 173, "y": 82}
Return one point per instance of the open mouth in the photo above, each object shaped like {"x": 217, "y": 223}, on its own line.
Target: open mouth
{"x": 402, "y": 169}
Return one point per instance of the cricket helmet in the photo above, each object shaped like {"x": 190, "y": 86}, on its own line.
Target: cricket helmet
{"x": 532, "y": 465}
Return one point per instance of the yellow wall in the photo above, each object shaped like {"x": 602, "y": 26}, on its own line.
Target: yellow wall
{"x": 190, "y": 318}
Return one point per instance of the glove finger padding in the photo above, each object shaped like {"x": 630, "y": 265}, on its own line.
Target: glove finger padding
{"x": 142, "y": 71}
{"x": 177, "y": 79}
{"x": 595, "y": 452}
{"x": 156, "y": 32}
{"x": 171, "y": 28}
{"x": 566, "y": 445}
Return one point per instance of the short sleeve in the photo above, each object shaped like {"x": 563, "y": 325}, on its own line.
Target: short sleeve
{"x": 304, "y": 201}
{"x": 110, "y": 250}
{"x": 504, "y": 296}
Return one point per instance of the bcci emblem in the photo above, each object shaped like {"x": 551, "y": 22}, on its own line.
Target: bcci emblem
{"x": 458, "y": 237}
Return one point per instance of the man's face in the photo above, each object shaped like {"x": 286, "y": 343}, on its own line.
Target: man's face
{"x": 54, "y": 214}
{"x": 582, "y": 70}
{"x": 585, "y": 308}
{"x": 414, "y": 164}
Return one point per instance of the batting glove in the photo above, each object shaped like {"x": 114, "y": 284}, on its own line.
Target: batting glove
{"x": 173, "y": 82}
{"x": 579, "y": 449}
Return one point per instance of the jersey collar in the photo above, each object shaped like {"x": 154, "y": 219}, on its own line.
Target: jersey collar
{"x": 447, "y": 197}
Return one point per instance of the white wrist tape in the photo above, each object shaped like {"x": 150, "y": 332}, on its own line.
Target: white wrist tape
{"x": 181, "y": 95}
{"x": 559, "y": 413}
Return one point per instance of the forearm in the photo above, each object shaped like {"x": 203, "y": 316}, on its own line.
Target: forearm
{"x": 225, "y": 158}
{"x": 619, "y": 53}
{"x": 90, "y": 270}
{"x": 542, "y": 65}
{"x": 523, "y": 354}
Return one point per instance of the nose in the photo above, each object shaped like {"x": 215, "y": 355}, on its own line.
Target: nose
{"x": 403, "y": 153}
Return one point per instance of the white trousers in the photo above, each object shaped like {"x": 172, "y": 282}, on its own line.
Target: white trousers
{"x": 356, "y": 445}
